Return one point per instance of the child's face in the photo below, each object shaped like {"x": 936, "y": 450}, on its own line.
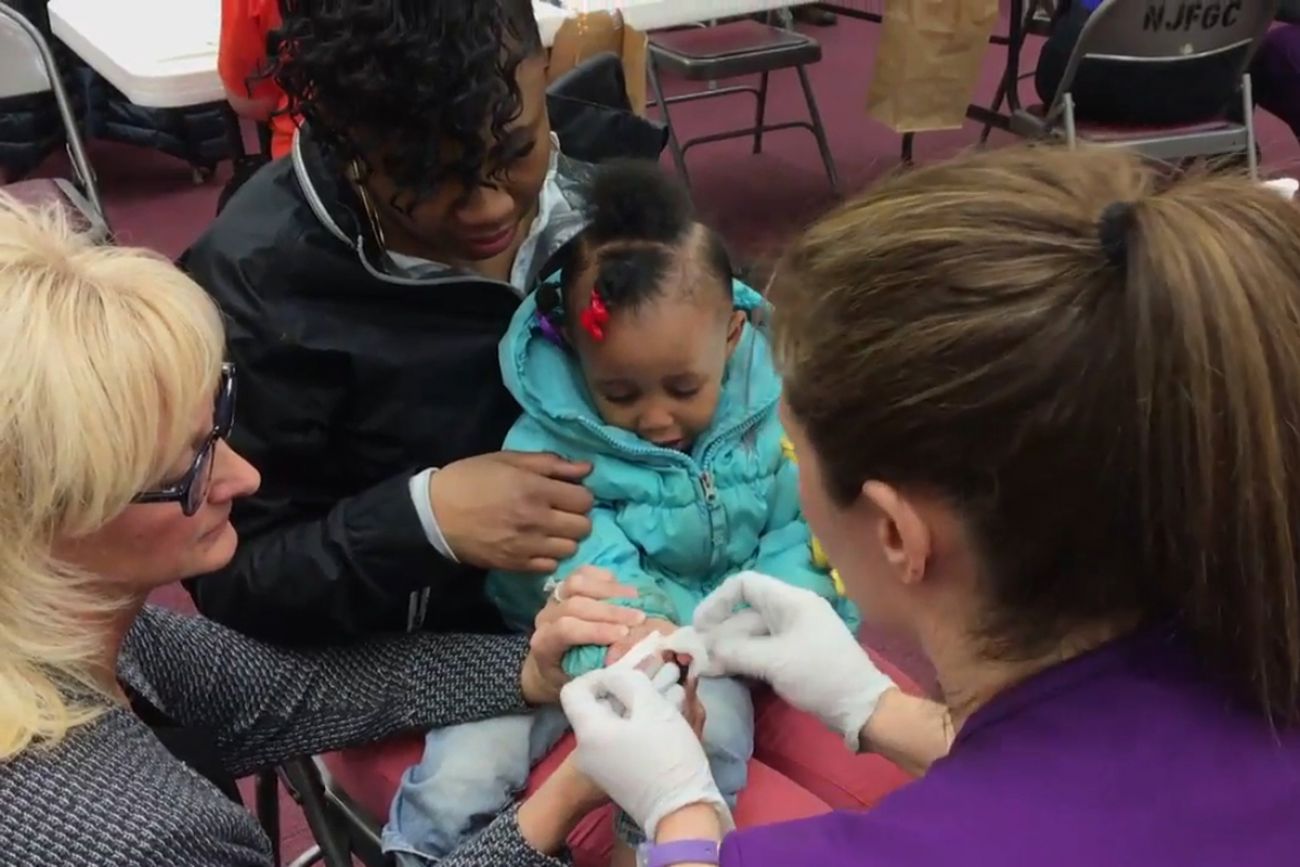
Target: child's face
{"x": 658, "y": 372}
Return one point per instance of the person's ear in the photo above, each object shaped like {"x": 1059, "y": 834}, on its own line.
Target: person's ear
{"x": 904, "y": 535}
{"x": 735, "y": 328}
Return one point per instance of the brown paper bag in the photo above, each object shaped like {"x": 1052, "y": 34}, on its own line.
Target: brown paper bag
{"x": 929, "y": 62}
{"x": 590, "y": 33}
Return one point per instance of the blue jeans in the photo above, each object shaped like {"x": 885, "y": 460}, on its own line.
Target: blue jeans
{"x": 470, "y": 773}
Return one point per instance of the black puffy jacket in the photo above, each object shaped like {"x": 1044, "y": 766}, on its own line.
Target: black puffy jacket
{"x": 198, "y": 134}
{"x": 30, "y": 128}
{"x": 352, "y": 378}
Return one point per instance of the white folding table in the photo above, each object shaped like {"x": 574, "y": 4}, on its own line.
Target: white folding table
{"x": 158, "y": 53}
{"x": 163, "y": 53}
{"x": 648, "y": 15}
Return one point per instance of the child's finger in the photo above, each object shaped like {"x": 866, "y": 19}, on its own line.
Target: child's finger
{"x": 693, "y": 708}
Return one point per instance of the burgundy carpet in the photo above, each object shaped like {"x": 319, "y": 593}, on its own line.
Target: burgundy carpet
{"x": 755, "y": 200}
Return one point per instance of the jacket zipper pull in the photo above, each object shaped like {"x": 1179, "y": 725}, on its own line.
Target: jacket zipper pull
{"x": 706, "y": 482}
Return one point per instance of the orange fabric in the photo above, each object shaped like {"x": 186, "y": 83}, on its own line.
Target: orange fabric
{"x": 241, "y": 55}
{"x": 283, "y": 126}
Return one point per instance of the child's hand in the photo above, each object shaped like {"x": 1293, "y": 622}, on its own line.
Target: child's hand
{"x": 619, "y": 648}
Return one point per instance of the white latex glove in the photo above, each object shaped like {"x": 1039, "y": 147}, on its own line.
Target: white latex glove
{"x": 646, "y": 656}
{"x": 1284, "y": 187}
{"x": 792, "y": 639}
{"x": 636, "y": 745}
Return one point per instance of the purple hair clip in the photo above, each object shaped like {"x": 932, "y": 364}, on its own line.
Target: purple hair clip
{"x": 550, "y": 331}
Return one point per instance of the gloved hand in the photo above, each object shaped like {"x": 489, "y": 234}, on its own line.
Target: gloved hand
{"x": 792, "y": 639}
{"x": 635, "y": 744}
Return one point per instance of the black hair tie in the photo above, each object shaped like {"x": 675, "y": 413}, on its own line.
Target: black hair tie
{"x": 1113, "y": 228}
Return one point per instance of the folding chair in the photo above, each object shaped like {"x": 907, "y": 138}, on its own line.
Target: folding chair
{"x": 27, "y": 67}
{"x": 1040, "y": 17}
{"x": 342, "y": 829}
{"x": 1127, "y": 35}
{"x": 731, "y": 50}
{"x": 339, "y": 834}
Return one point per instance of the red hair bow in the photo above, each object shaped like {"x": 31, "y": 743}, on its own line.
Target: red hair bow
{"x": 595, "y": 317}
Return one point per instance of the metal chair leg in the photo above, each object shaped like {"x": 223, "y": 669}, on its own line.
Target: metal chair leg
{"x": 819, "y": 129}
{"x": 1248, "y": 112}
{"x": 909, "y": 138}
{"x": 1004, "y": 86}
{"x": 998, "y": 97}
{"x": 1071, "y": 134}
{"x": 679, "y": 158}
{"x": 307, "y": 858}
{"x": 305, "y": 781}
{"x": 266, "y": 795}
{"x": 760, "y": 115}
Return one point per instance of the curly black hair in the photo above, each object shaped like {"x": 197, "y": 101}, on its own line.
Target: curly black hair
{"x": 639, "y": 220}
{"x": 417, "y": 78}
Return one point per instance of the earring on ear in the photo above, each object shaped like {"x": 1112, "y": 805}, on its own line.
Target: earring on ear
{"x": 355, "y": 174}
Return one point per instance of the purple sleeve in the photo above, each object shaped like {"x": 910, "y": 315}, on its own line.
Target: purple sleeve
{"x": 732, "y": 854}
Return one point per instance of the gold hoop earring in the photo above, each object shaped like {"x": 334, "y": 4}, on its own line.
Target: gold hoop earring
{"x": 355, "y": 175}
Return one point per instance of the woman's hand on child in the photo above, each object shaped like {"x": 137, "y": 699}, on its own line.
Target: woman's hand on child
{"x": 577, "y": 614}
{"x": 512, "y": 511}
{"x": 635, "y": 744}
{"x": 619, "y": 648}
{"x": 792, "y": 639}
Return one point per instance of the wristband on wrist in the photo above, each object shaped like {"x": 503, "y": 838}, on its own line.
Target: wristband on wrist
{"x": 679, "y": 852}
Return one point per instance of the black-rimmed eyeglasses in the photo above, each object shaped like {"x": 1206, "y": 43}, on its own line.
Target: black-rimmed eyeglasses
{"x": 192, "y": 488}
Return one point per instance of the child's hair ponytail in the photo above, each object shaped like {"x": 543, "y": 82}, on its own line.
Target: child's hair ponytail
{"x": 641, "y": 225}
{"x": 633, "y": 201}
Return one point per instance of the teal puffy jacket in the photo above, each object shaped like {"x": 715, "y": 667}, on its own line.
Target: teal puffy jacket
{"x": 672, "y": 525}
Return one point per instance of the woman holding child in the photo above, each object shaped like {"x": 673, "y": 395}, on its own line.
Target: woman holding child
{"x": 366, "y": 282}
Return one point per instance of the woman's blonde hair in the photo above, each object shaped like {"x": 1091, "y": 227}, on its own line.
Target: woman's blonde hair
{"x": 106, "y": 354}
{"x": 1098, "y": 365}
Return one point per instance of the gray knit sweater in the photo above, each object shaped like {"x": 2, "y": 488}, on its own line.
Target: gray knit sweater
{"x": 110, "y": 794}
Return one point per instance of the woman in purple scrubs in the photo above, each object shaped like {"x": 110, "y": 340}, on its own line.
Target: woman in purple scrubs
{"x": 1047, "y": 409}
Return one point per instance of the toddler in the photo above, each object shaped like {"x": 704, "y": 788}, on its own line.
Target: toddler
{"x": 642, "y": 360}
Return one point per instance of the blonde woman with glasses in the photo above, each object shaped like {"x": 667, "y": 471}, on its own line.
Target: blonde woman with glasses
{"x": 123, "y": 726}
